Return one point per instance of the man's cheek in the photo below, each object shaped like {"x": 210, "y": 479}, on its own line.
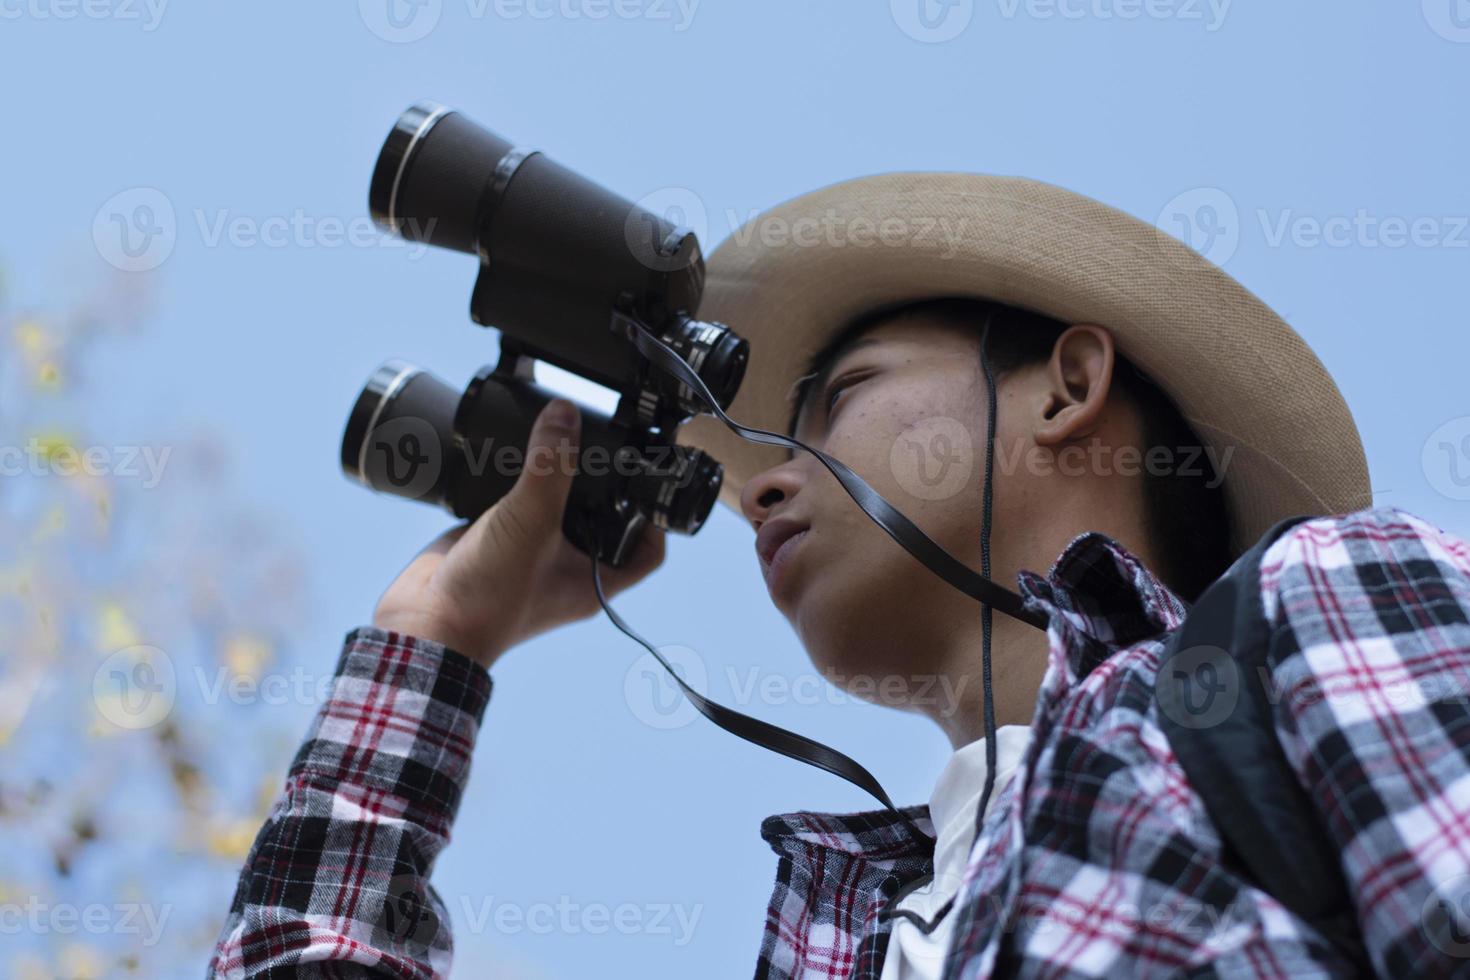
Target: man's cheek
{"x": 863, "y": 450}
{"x": 931, "y": 460}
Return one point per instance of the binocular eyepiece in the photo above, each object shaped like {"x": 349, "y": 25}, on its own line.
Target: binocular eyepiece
{"x": 564, "y": 264}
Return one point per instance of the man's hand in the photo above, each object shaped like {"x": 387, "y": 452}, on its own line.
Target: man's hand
{"x": 511, "y": 575}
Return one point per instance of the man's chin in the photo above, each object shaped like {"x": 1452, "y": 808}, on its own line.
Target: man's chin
{"x": 864, "y": 678}
{"x": 859, "y": 667}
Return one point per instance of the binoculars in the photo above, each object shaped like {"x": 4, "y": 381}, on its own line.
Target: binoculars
{"x": 569, "y": 272}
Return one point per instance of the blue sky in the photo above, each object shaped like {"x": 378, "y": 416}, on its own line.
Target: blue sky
{"x": 1318, "y": 151}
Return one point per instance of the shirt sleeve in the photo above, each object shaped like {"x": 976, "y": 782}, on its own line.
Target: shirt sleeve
{"x": 1370, "y": 689}
{"x": 336, "y": 883}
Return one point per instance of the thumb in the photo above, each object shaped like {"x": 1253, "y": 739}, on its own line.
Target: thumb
{"x": 535, "y": 503}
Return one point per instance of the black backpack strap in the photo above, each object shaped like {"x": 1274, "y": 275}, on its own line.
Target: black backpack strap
{"x": 1213, "y": 707}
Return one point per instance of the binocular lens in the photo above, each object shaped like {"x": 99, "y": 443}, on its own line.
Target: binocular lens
{"x": 411, "y": 435}
{"x": 430, "y": 174}
{"x": 716, "y": 353}
{"x": 680, "y": 496}
{"x": 400, "y": 435}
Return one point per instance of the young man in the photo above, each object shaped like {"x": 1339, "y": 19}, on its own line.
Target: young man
{"x": 1129, "y": 377}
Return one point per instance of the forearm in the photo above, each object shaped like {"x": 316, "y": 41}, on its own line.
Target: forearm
{"x": 336, "y": 882}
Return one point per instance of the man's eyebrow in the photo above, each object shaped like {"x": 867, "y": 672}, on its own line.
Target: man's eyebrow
{"x": 801, "y": 390}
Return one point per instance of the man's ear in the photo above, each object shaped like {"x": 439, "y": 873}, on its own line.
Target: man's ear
{"x": 1078, "y": 377}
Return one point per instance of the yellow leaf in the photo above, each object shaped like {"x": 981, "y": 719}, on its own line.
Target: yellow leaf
{"x": 30, "y": 337}
{"x": 108, "y": 706}
{"x": 28, "y": 966}
{"x": 80, "y": 962}
{"x": 247, "y": 655}
{"x": 270, "y": 788}
{"x": 232, "y": 839}
{"x": 115, "y": 629}
{"x": 53, "y": 445}
{"x": 51, "y": 525}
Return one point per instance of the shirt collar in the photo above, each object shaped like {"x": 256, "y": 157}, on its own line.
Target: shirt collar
{"x": 1102, "y": 595}
{"x": 955, "y": 801}
{"x": 875, "y": 835}
{"x": 1099, "y": 596}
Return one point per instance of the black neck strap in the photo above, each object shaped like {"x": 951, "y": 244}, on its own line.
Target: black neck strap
{"x": 885, "y": 515}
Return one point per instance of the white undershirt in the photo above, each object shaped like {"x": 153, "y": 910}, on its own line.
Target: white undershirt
{"x": 912, "y": 955}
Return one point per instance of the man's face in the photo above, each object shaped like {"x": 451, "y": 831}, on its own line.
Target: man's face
{"x": 904, "y": 407}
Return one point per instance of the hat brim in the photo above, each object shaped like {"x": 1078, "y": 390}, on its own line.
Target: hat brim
{"x": 1249, "y": 385}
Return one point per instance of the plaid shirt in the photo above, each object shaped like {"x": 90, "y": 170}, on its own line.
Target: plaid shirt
{"x": 1097, "y": 858}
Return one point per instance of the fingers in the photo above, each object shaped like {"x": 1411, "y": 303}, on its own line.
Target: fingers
{"x": 649, "y": 552}
{"x": 530, "y": 514}
{"x": 540, "y": 493}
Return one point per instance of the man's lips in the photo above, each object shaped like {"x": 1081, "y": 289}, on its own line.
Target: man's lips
{"x": 774, "y": 542}
{"x": 782, "y": 557}
{"x": 773, "y": 535}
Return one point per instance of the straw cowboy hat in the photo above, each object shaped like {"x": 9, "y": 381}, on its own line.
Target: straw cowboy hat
{"x": 792, "y": 277}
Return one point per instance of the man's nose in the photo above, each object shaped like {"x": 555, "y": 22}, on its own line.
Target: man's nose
{"x": 767, "y": 490}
